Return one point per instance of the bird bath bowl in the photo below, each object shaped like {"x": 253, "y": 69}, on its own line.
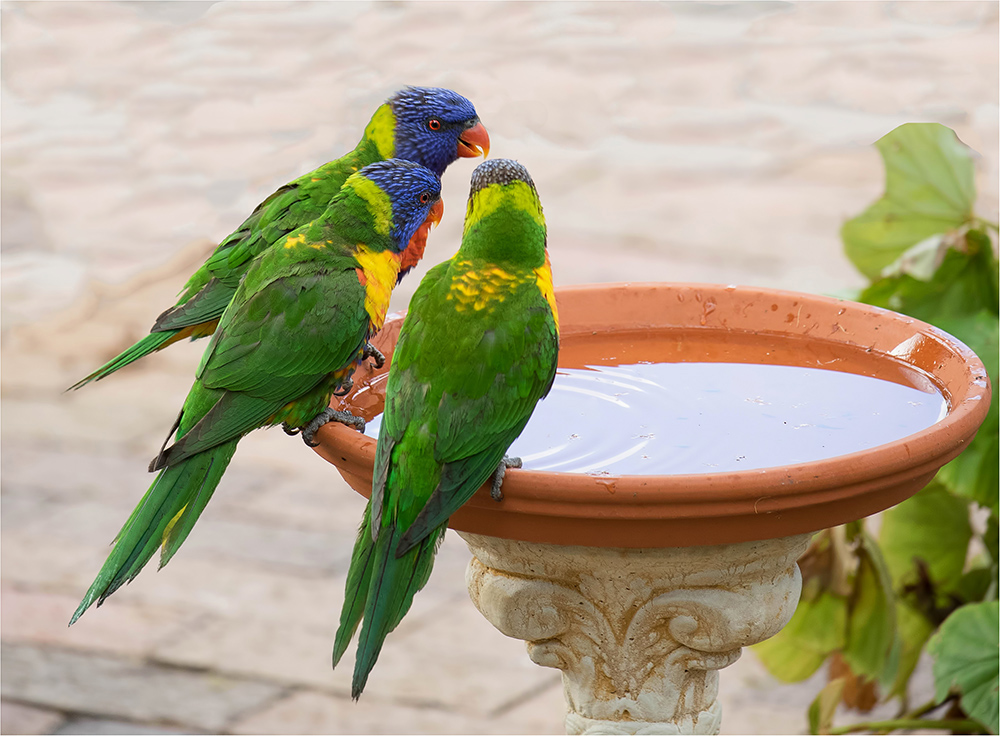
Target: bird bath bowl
{"x": 641, "y": 587}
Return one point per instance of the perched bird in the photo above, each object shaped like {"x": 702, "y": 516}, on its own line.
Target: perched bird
{"x": 428, "y": 125}
{"x": 292, "y": 336}
{"x": 476, "y": 352}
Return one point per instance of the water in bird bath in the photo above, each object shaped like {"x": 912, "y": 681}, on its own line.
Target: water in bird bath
{"x": 695, "y": 405}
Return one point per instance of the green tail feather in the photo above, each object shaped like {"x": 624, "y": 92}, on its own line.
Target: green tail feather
{"x": 164, "y": 517}
{"x": 356, "y": 594}
{"x": 392, "y": 583}
{"x": 149, "y": 344}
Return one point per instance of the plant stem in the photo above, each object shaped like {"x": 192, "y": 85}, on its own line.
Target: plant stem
{"x": 992, "y": 225}
{"x": 908, "y": 723}
{"x": 928, "y": 707}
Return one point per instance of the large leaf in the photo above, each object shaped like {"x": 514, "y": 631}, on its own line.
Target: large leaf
{"x": 914, "y": 630}
{"x": 974, "y": 586}
{"x": 966, "y": 653}
{"x": 975, "y": 474}
{"x": 929, "y": 190}
{"x": 871, "y": 622}
{"x": 932, "y": 526}
{"x": 963, "y": 285}
{"x": 816, "y": 629}
{"x": 960, "y": 297}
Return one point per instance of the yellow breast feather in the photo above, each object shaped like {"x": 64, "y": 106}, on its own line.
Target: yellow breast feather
{"x": 543, "y": 278}
{"x": 481, "y": 288}
{"x": 378, "y": 274}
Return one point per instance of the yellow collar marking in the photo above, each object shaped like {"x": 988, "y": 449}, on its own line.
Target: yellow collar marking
{"x": 378, "y": 202}
{"x": 381, "y": 267}
{"x": 486, "y": 201}
{"x": 381, "y": 131}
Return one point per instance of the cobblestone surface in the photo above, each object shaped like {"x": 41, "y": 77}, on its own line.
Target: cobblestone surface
{"x": 716, "y": 142}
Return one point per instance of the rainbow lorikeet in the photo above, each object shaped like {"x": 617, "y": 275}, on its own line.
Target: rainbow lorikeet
{"x": 476, "y": 351}
{"x": 428, "y": 125}
{"x": 293, "y": 334}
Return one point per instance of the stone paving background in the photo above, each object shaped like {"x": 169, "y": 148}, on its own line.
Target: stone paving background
{"x": 716, "y": 142}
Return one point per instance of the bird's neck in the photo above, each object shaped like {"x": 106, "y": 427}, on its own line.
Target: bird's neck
{"x": 379, "y": 141}
{"x": 507, "y": 237}
{"x": 361, "y": 212}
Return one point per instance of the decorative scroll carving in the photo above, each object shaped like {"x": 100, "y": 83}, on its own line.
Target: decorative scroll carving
{"x": 638, "y": 634}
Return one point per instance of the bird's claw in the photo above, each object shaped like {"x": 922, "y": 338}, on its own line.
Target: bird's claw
{"x": 289, "y": 429}
{"x": 370, "y": 351}
{"x": 508, "y": 462}
{"x": 330, "y": 415}
{"x": 344, "y": 388}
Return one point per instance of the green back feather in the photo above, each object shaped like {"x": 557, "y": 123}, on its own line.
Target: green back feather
{"x": 465, "y": 377}
{"x": 297, "y": 318}
{"x": 211, "y": 288}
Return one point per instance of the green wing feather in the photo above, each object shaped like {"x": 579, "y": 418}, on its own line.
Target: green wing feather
{"x": 212, "y": 287}
{"x": 323, "y": 302}
{"x": 205, "y": 306}
{"x": 461, "y": 388}
{"x": 393, "y": 583}
{"x": 507, "y": 361}
{"x": 148, "y": 344}
{"x": 252, "y": 369}
{"x": 181, "y": 489}
{"x": 358, "y": 581}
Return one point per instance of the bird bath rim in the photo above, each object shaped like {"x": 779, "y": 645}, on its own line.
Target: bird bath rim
{"x": 637, "y": 511}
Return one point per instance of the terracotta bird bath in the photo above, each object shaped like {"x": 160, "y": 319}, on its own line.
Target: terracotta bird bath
{"x": 641, "y": 587}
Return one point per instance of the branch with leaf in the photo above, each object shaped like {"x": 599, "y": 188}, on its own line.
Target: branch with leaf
{"x": 927, "y": 581}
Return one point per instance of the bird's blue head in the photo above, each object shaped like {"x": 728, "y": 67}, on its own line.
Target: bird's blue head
{"x": 401, "y": 196}
{"x": 435, "y": 126}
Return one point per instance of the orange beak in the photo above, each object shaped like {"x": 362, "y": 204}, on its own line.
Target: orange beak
{"x": 474, "y": 142}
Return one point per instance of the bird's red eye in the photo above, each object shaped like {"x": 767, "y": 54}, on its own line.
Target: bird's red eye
{"x": 425, "y": 198}
{"x": 434, "y": 124}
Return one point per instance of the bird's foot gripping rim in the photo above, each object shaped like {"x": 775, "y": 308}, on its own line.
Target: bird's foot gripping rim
{"x": 370, "y": 351}
{"x": 329, "y": 415}
{"x": 508, "y": 462}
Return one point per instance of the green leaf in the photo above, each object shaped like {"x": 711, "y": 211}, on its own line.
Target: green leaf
{"x": 920, "y": 261}
{"x": 962, "y": 286}
{"x": 978, "y": 330}
{"x": 992, "y": 538}
{"x": 933, "y": 525}
{"x": 929, "y": 170}
{"x": 975, "y": 474}
{"x": 816, "y": 630}
{"x": 978, "y": 240}
{"x": 871, "y": 621}
{"x": 961, "y": 299}
{"x": 822, "y": 709}
{"x": 966, "y": 653}
{"x": 914, "y": 630}
{"x": 972, "y": 587}
{"x": 929, "y": 190}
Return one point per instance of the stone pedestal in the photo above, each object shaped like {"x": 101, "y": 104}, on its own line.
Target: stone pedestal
{"x": 639, "y": 634}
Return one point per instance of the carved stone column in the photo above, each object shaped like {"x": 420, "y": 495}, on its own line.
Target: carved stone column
{"x": 639, "y": 634}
